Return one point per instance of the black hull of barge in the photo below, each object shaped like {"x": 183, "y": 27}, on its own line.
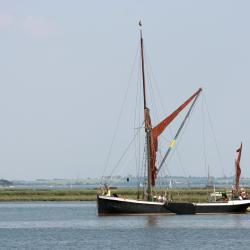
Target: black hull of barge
{"x": 209, "y": 209}
{"x": 120, "y": 206}
{"x": 110, "y": 205}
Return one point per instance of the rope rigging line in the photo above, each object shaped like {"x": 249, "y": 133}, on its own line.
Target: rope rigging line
{"x": 143, "y": 168}
{"x": 119, "y": 117}
{"x": 137, "y": 116}
{"x": 164, "y": 110}
{"x": 204, "y": 137}
{"x": 155, "y": 108}
{"x": 164, "y": 173}
{"x": 214, "y": 137}
{"x": 124, "y": 153}
{"x": 153, "y": 97}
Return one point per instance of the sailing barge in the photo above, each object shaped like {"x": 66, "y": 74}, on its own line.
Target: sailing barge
{"x": 107, "y": 204}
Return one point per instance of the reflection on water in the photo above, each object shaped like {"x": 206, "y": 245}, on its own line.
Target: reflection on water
{"x": 152, "y": 220}
{"x": 74, "y": 225}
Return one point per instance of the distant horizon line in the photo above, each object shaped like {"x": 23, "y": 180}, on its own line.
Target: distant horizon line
{"x": 120, "y": 177}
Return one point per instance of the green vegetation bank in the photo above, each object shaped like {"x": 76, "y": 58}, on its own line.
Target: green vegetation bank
{"x": 192, "y": 195}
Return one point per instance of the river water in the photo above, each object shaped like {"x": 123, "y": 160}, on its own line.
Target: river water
{"x": 75, "y": 225}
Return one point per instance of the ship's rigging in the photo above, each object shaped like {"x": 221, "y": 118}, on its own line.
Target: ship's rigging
{"x": 153, "y": 133}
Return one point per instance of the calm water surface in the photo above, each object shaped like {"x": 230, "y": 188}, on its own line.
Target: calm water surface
{"x": 74, "y": 225}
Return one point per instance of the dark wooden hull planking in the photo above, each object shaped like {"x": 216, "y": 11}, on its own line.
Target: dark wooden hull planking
{"x": 227, "y": 208}
{"x": 112, "y": 205}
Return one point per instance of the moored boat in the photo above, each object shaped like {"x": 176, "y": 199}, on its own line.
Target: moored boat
{"x": 150, "y": 203}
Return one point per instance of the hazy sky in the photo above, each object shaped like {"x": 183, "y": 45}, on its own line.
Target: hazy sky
{"x": 65, "y": 66}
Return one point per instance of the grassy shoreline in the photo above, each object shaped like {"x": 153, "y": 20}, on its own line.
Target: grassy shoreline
{"x": 191, "y": 195}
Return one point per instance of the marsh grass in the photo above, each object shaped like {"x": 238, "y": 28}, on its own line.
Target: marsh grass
{"x": 47, "y": 195}
{"x": 188, "y": 195}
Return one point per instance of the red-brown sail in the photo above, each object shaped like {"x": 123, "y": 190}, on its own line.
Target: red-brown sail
{"x": 157, "y": 130}
{"x": 237, "y": 166}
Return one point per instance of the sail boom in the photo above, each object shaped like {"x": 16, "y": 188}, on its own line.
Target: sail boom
{"x": 157, "y": 130}
{"x": 177, "y": 134}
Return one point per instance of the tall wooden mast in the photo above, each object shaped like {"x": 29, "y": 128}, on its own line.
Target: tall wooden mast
{"x": 147, "y": 121}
